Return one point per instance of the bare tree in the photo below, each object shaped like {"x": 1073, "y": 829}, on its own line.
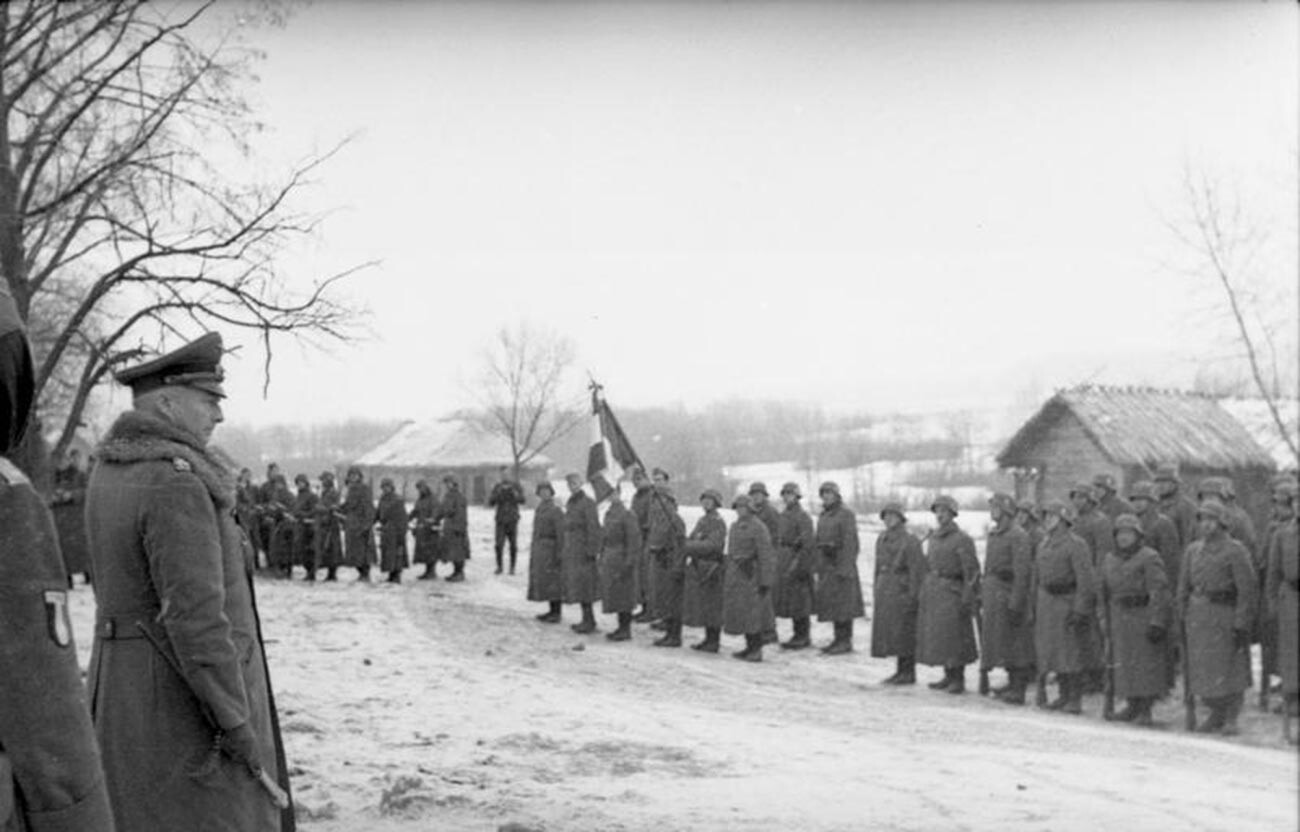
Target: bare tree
{"x": 1227, "y": 249}
{"x": 120, "y": 222}
{"x": 526, "y": 390}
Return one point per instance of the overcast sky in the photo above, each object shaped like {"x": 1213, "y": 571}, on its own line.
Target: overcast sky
{"x": 874, "y": 206}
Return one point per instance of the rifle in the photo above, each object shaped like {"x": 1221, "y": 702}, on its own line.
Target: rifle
{"x": 278, "y": 795}
{"x": 984, "y": 670}
{"x": 1108, "y": 702}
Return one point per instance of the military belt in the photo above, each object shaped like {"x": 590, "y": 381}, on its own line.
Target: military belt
{"x": 1060, "y": 587}
{"x": 121, "y": 627}
{"x": 1130, "y": 602}
{"x": 1004, "y": 575}
{"x": 1226, "y": 597}
{"x": 951, "y": 576}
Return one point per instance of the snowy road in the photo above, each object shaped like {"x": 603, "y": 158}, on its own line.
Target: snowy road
{"x": 441, "y": 706}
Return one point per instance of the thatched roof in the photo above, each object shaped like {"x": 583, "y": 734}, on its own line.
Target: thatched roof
{"x": 443, "y": 443}
{"x": 1141, "y": 426}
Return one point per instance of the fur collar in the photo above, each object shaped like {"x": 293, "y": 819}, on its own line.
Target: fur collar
{"x": 142, "y": 437}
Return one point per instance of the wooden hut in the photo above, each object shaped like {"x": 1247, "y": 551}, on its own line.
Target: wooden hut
{"x": 431, "y": 450}
{"x": 1128, "y": 432}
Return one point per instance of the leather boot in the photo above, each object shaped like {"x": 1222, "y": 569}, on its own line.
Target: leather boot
{"x": 624, "y": 631}
{"x": 710, "y": 643}
{"x": 958, "y": 683}
{"x": 843, "y": 642}
{"x": 943, "y": 683}
{"x": 1017, "y": 682}
{"x": 898, "y": 671}
{"x": 332, "y": 574}
{"x": 1063, "y": 683}
{"x": 588, "y": 623}
{"x": 1074, "y": 704}
{"x": 770, "y": 637}
{"x": 551, "y": 616}
{"x": 1231, "y": 710}
{"x": 1128, "y": 713}
{"x": 672, "y": 636}
{"x": 458, "y": 574}
{"x": 1214, "y": 722}
{"x": 799, "y": 640}
{"x": 363, "y": 574}
{"x": 643, "y": 616}
{"x": 753, "y": 651}
{"x": 1143, "y": 715}
{"x": 430, "y": 572}
{"x": 906, "y": 674}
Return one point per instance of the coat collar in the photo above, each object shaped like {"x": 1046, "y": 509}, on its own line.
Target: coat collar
{"x": 142, "y": 437}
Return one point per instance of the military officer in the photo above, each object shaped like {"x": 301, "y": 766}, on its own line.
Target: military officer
{"x": 580, "y": 554}
{"x": 900, "y": 571}
{"x": 751, "y": 563}
{"x": 50, "y": 764}
{"x": 1216, "y": 602}
{"x": 179, "y": 686}
{"x": 1065, "y": 598}
{"x": 702, "y": 595}
{"x": 1135, "y": 598}
{"x": 792, "y": 596}
{"x": 1006, "y": 623}
{"x": 545, "y": 573}
{"x": 839, "y": 590}
{"x": 945, "y": 619}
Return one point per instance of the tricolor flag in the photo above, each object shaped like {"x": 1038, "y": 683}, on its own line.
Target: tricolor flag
{"x": 611, "y": 454}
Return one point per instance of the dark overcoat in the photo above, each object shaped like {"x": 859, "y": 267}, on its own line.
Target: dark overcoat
{"x": 1095, "y": 529}
{"x": 545, "y": 575}
{"x": 839, "y": 590}
{"x": 945, "y": 620}
{"x": 896, "y": 593}
{"x": 425, "y": 513}
{"x": 1216, "y": 595}
{"x": 1159, "y": 532}
{"x": 1182, "y": 513}
{"x": 169, "y": 558}
{"x": 750, "y": 572}
{"x": 48, "y": 754}
{"x": 664, "y": 541}
{"x": 506, "y": 498}
{"x": 359, "y": 525}
{"x": 69, "y": 507}
{"x": 1136, "y": 595}
{"x": 620, "y": 548}
{"x": 283, "y": 525}
{"x": 304, "y": 528}
{"x": 329, "y": 543}
{"x": 390, "y": 515}
{"x": 796, "y": 561}
{"x": 1064, "y": 582}
{"x": 245, "y": 513}
{"x": 705, "y": 545}
{"x": 453, "y": 514}
{"x": 644, "y": 566}
{"x": 1114, "y": 505}
{"x": 581, "y": 550}
{"x": 1282, "y": 591}
{"x": 1006, "y": 609}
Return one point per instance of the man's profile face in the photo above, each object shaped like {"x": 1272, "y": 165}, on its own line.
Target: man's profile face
{"x": 195, "y": 410}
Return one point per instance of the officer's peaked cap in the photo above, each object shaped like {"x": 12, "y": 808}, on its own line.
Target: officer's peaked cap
{"x": 196, "y": 364}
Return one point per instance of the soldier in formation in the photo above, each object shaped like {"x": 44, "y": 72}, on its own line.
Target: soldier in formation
{"x": 839, "y": 590}
{"x": 390, "y": 516}
{"x": 796, "y": 561}
{"x": 49, "y": 760}
{"x": 1282, "y": 591}
{"x": 1065, "y": 597}
{"x": 1006, "y": 622}
{"x": 453, "y": 517}
{"x": 545, "y": 571}
{"x": 580, "y": 554}
{"x": 505, "y": 499}
{"x": 68, "y": 502}
{"x": 304, "y": 526}
{"x": 664, "y": 540}
{"x": 358, "y": 524}
{"x": 900, "y": 572}
{"x": 641, "y": 498}
{"x": 1135, "y": 600}
{"x": 751, "y": 565}
{"x": 329, "y": 527}
{"x": 945, "y": 625}
{"x": 619, "y": 553}
{"x": 424, "y": 529}
{"x": 704, "y": 568}
{"x": 770, "y": 517}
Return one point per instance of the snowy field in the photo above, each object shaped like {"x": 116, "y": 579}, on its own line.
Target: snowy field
{"x": 436, "y": 706}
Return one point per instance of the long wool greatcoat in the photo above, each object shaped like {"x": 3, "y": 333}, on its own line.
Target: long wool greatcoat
{"x": 245, "y": 513}
{"x": 896, "y": 594}
{"x": 1216, "y": 595}
{"x": 664, "y": 543}
{"x": 48, "y": 753}
{"x": 169, "y": 557}
{"x": 1181, "y": 511}
{"x": 581, "y": 549}
{"x": 1136, "y": 594}
{"x": 751, "y": 565}
{"x": 545, "y": 575}
{"x": 359, "y": 526}
{"x": 283, "y": 525}
{"x": 390, "y": 514}
{"x": 69, "y": 508}
{"x": 453, "y": 514}
{"x": 644, "y": 566}
{"x": 1064, "y": 582}
{"x": 1159, "y": 532}
{"x": 839, "y": 591}
{"x": 304, "y": 527}
{"x": 425, "y": 513}
{"x": 1006, "y": 611}
{"x": 1282, "y": 590}
{"x": 796, "y": 560}
{"x": 329, "y": 545}
{"x": 702, "y": 602}
{"x": 946, "y": 628}
{"x": 1096, "y": 530}
{"x": 620, "y": 549}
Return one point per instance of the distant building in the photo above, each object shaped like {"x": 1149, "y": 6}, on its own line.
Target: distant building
{"x": 1128, "y": 432}
{"x": 433, "y": 449}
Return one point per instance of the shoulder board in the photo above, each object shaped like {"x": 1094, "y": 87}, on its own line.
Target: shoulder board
{"x": 10, "y": 474}
{"x": 182, "y": 465}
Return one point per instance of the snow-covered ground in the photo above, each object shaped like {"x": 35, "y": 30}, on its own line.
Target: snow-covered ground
{"x": 436, "y": 706}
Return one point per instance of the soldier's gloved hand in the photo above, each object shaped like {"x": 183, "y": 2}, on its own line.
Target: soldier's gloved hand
{"x": 241, "y": 743}
{"x": 1241, "y": 639}
{"x": 1076, "y": 620}
{"x": 1156, "y": 634}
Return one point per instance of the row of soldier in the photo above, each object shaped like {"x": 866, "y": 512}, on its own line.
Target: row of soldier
{"x": 1099, "y": 593}
{"x": 331, "y": 528}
